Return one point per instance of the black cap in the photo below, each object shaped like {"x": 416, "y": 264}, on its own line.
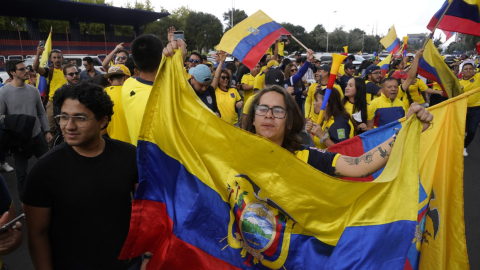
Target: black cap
{"x": 325, "y": 67}
{"x": 298, "y": 53}
{"x": 274, "y": 77}
{"x": 349, "y": 65}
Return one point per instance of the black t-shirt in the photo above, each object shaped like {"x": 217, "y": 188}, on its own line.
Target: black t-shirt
{"x": 319, "y": 159}
{"x": 90, "y": 201}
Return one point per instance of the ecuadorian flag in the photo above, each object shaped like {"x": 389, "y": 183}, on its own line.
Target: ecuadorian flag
{"x": 385, "y": 64}
{"x": 250, "y": 39}
{"x": 439, "y": 241}
{"x": 45, "y": 63}
{"x": 205, "y": 201}
{"x": 391, "y": 42}
{"x": 432, "y": 67}
{"x": 462, "y": 16}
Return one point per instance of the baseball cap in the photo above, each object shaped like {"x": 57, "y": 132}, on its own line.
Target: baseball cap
{"x": 349, "y": 65}
{"x": 118, "y": 70}
{"x": 274, "y": 77}
{"x": 325, "y": 67}
{"x": 371, "y": 69}
{"x": 298, "y": 53}
{"x": 209, "y": 64}
{"x": 201, "y": 73}
{"x": 273, "y": 64}
{"x": 400, "y": 74}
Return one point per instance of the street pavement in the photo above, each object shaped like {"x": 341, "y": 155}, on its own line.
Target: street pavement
{"x": 20, "y": 260}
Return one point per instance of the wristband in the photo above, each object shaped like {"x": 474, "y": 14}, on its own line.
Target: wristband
{"x": 324, "y": 138}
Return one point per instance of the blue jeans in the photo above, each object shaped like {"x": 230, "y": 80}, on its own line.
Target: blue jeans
{"x": 471, "y": 125}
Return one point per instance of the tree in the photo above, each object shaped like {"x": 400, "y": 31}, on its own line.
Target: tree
{"x": 299, "y": 33}
{"x": 337, "y": 39}
{"x": 203, "y": 30}
{"x": 437, "y": 42}
{"x": 319, "y": 35}
{"x": 238, "y": 16}
{"x": 355, "y": 40}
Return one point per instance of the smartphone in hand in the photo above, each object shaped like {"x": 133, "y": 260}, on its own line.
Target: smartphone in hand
{"x": 178, "y": 34}
{"x": 42, "y": 43}
{"x": 7, "y": 226}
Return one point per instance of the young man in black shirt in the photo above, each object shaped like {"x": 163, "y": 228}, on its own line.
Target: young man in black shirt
{"x": 78, "y": 196}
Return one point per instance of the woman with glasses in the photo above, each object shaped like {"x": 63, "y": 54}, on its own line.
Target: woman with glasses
{"x": 336, "y": 125}
{"x": 275, "y": 116}
{"x": 228, "y": 98}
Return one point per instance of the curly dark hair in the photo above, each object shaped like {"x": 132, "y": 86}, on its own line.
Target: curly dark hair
{"x": 91, "y": 95}
{"x": 294, "y": 125}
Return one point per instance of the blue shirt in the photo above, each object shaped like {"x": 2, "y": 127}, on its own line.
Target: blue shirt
{"x": 85, "y": 76}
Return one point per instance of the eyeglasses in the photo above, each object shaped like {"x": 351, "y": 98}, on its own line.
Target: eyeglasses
{"x": 71, "y": 74}
{"x": 121, "y": 58}
{"x": 224, "y": 78}
{"x": 194, "y": 61}
{"x": 22, "y": 69}
{"x": 79, "y": 121}
{"x": 277, "y": 112}
{"x": 377, "y": 73}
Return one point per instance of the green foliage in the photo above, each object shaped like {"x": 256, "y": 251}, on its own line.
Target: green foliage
{"x": 238, "y": 16}
{"x": 11, "y": 23}
{"x": 249, "y": 227}
{"x": 203, "y": 31}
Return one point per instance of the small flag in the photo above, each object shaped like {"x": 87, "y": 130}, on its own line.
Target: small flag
{"x": 385, "y": 64}
{"x": 250, "y": 39}
{"x": 44, "y": 63}
{"x": 390, "y": 41}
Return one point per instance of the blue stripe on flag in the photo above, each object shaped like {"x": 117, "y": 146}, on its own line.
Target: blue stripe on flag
{"x": 248, "y": 42}
{"x": 393, "y": 45}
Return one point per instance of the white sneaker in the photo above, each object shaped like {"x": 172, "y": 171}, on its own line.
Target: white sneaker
{"x": 6, "y": 167}
{"x": 465, "y": 154}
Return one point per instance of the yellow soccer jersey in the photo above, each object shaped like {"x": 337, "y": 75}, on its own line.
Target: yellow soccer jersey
{"x": 58, "y": 80}
{"x": 383, "y": 110}
{"x": 248, "y": 79}
{"x": 471, "y": 84}
{"x": 281, "y": 47}
{"x": 339, "y": 129}
{"x": 247, "y": 103}
{"x": 117, "y": 128}
{"x": 309, "y": 112}
{"x": 259, "y": 79}
{"x": 226, "y": 102}
{"x": 415, "y": 91}
{"x": 135, "y": 93}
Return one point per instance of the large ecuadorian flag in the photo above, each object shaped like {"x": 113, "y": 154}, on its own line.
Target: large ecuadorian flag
{"x": 432, "y": 67}
{"x": 462, "y": 16}
{"x": 439, "y": 242}
{"x": 205, "y": 201}
{"x": 250, "y": 39}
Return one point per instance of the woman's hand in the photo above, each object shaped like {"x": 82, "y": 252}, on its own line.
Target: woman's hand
{"x": 423, "y": 115}
{"x": 362, "y": 127}
{"x": 317, "y": 130}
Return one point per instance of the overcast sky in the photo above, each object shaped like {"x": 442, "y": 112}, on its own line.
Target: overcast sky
{"x": 408, "y": 16}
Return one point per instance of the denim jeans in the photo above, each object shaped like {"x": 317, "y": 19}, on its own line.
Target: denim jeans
{"x": 473, "y": 119}
{"x": 38, "y": 148}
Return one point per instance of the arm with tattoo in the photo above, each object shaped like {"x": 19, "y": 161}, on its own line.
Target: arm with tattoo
{"x": 366, "y": 164}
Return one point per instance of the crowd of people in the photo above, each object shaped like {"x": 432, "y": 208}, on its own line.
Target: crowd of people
{"x": 77, "y": 197}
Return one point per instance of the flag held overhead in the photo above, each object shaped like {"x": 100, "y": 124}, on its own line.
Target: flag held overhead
{"x": 390, "y": 41}
{"x": 461, "y": 16}
{"x": 250, "y": 39}
{"x": 44, "y": 63}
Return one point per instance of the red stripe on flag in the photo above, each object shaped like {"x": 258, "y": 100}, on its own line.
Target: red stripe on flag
{"x": 151, "y": 229}
{"x": 257, "y": 52}
{"x": 456, "y": 24}
{"x": 432, "y": 77}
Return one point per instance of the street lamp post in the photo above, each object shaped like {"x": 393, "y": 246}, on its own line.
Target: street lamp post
{"x": 328, "y": 26}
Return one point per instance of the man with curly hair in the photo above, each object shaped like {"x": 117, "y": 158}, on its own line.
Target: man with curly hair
{"x": 78, "y": 196}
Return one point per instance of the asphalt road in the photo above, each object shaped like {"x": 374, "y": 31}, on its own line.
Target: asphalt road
{"x": 20, "y": 259}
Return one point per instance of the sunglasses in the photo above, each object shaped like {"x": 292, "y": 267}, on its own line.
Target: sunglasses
{"x": 293, "y": 70}
{"x": 225, "y": 78}
{"x": 122, "y": 58}
{"x": 71, "y": 74}
{"x": 194, "y": 61}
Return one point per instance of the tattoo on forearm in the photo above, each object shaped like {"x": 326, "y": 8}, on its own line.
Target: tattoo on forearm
{"x": 366, "y": 175}
{"x": 337, "y": 174}
{"x": 367, "y": 158}
{"x": 383, "y": 153}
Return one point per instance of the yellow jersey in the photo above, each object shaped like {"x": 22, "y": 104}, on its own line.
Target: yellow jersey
{"x": 247, "y": 103}
{"x": 415, "y": 90}
{"x": 135, "y": 93}
{"x": 309, "y": 112}
{"x": 383, "y": 110}
{"x": 372, "y": 90}
{"x": 259, "y": 79}
{"x": 281, "y": 47}
{"x": 226, "y": 102}
{"x": 248, "y": 79}
{"x": 117, "y": 128}
{"x": 471, "y": 84}
{"x": 339, "y": 129}
{"x": 58, "y": 80}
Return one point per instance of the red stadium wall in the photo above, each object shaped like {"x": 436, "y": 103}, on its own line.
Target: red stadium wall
{"x": 26, "y": 47}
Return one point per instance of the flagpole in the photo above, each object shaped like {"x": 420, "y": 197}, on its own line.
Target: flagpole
{"x": 298, "y": 41}
{"x": 435, "y": 28}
